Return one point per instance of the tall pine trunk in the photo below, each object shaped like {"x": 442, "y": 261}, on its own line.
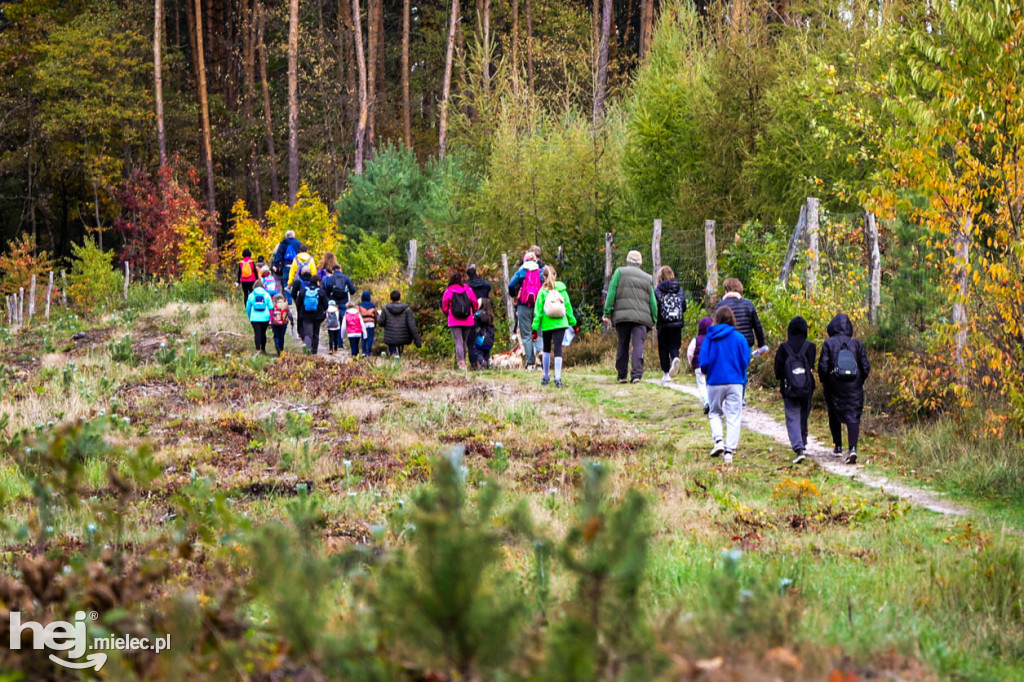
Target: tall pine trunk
{"x": 249, "y": 76}
{"x": 268, "y": 123}
{"x": 204, "y": 109}
{"x": 357, "y": 31}
{"x": 373, "y": 47}
{"x": 158, "y": 80}
{"x": 601, "y": 87}
{"x": 646, "y": 27}
{"x": 446, "y": 87}
{"x": 293, "y": 102}
{"x": 529, "y": 45}
{"x": 406, "y": 106}
{"x": 515, "y": 39}
{"x": 487, "y": 45}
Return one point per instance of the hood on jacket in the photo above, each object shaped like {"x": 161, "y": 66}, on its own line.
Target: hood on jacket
{"x": 396, "y": 308}
{"x": 366, "y": 297}
{"x": 719, "y": 331}
{"x": 840, "y": 326}
{"x": 797, "y": 328}
{"x": 704, "y": 325}
{"x": 669, "y": 286}
{"x": 530, "y": 265}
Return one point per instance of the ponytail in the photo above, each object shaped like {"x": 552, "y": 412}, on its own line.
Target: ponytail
{"x": 550, "y": 277}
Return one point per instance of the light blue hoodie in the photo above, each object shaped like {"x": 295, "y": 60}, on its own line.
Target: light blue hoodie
{"x": 259, "y": 293}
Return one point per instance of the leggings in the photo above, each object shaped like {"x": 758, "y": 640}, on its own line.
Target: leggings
{"x": 670, "y": 340}
{"x": 259, "y": 332}
{"x": 463, "y": 341}
{"x": 334, "y": 338}
{"x": 553, "y": 341}
{"x": 835, "y": 425}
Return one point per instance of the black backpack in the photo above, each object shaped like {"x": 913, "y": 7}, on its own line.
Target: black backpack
{"x": 461, "y": 307}
{"x": 337, "y": 289}
{"x": 846, "y": 368}
{"x": 672, "y": 307}
{"x": 798, "y": 381}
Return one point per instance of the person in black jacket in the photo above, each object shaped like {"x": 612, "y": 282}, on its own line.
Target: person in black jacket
{"x": 399, "y": 325}
{"x": 671, "y": 310}
{"x": 310, "y": 320}
{"x": 747, "y": 321}
{"x": 794, "y": 368}
{"x": 480, "y": 286}
{"x": 339, "y": 286}
{"x": 844, "y": 397}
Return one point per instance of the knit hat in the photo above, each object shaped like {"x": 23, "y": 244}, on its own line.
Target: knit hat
{"x": 529, "y": 255}
{"x": 634, "y": 258}
{"x": 797, "y": 327}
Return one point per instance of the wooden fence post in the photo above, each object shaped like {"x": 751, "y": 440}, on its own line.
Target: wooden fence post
{"x": 509, "y": 307}
{"x": 7, "y": 309}
{"x": 127, "y": 279}
{"x": 561, "y": 257}
{"x": 874, "y": 267}
{"x": 609, "y": 268}
{"x": 961, "y": 280}
{"x": 21, "y": 306}
{"x": 413, "y": 254}
{"x": 711, "y": 261}
{"x": 656, "y": 247}
{"x": 794, "y": 245}
{"x": 49, "y": 293}
{"x": 63, "y": 289}
{"x": 32, "y": 297}
{"x": 813, "y": 255}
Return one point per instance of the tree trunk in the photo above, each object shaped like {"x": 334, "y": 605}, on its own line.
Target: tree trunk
{"x": 601, "y": 87}
{"x": 406, "y": 108}
{"x": 487, "y": 45}
{"x": 347, "y": 62}
{"x": 249, "y": 76}
{"x": 363, "y": 104}
{"x": 813, "y": 255}
{"x": 268, "y": 123}
{"x": 529, "y": 45}
{"x": 293, "y": 102}
{"x": 961, "y": 284}
{"x": 446, "y": 87}
{"x": 515, "y": 38}
{"x": 158, "y": 80}
{"x": 646, "y": 27}
{"x": 373, "y": 47}
{"x": 204, "y": 109}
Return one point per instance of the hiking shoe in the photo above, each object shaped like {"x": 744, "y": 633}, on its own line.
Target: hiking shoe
{"x": 635, "y": 380}
{"x": 837, "y": 451}
{"x": 674, "y": 368}
{"x": 851, "y": 458}
{"x": 558, "y": 383}
{"x": 665, "y": 380}
{"x": 718, "y": 449}
{"x": 545, "y": 381}
{"x": 622, "y": 380}
{"x": 800, "y": 457}
{"x": 707, "y": 410}
{"x": 727, "y": 457}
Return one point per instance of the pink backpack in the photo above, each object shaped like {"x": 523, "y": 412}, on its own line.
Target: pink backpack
{"x": 531, "y": 287}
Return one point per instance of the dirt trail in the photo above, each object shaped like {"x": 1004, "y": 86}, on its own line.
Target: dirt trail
{"x": 762, "y": 423}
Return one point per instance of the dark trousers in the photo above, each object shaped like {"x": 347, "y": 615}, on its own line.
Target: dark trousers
{"x": 353, "y": 343}
{"x": 246, "y": 290}
{"x": 634, "y": 334}
{"x": 311, "y": 334}
{"x": 259, "y": 333}
{"x": 279, "y": 333}
{"x": 669, "y": 343}
{"x": 396, "y": 351}
{"x": 551, "y": 341}
{"x": 368, "y": 342}
{"x": 334, "y": 338}
{"x": 835, "y": 425}
{"x": 797, "y": 412}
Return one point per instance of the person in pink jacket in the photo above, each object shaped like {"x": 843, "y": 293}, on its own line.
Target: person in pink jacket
{"x": 460, "y": 303}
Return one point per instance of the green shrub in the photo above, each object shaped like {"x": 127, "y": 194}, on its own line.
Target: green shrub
{"x": 92, "y": 282}
{"x": 368, "y": 259}
{"x": 121, "y": 350}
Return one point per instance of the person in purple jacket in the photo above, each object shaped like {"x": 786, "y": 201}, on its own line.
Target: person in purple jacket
{"x": 460, "y": 303}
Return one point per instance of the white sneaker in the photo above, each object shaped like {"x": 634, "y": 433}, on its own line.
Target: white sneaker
{"x": 727, "y": 457}
{"x": 666, "y": 379}
{"x": 674, "y": 369}
{"x": 718, "y": 449}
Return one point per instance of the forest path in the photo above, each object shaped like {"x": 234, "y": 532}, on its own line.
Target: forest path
{"x": 763, "y": 423}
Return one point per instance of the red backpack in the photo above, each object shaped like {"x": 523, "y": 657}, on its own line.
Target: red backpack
{"x": 531, "y": 287}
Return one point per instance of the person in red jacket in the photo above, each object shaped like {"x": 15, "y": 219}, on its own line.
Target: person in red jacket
{"x": 247, "y": 274}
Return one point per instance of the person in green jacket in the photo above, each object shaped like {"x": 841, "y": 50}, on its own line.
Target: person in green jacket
{"x": 552, "y": 315}
{"x": 633, "y": 308}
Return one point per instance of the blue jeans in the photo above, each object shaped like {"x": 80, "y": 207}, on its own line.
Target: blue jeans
{"x": 524, "y": 313}
{"x": 368, "y": 342}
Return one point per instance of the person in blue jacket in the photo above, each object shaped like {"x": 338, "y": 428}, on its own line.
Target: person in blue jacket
{"x": 257, "y": 308}
{"x": 724, "y": 358}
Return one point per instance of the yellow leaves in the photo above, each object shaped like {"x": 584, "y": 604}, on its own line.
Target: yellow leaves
{"x": 195, "y": 255}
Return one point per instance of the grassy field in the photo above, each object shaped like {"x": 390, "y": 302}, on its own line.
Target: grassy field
{"x": 276, "y": 516}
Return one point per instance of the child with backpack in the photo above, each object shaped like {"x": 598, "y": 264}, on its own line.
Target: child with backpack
{"x": 247, "y": 275}
{"x": 693, "y": 355}
{"x": 280, "y": 318}
{"x": 355, "y": 328}
{"x": 671, "y": 317}
{"x": 269, "y": 282}
{"x": 794, "y": 368}
{"x": 552, "y": 315}
{"x": 843, "y": 368}
{"x": 483, "y": 336}
{"x": 257, "y": 308}
{"x": 459, "y": 303}
{"x": 333, "y": 324}
{"x": 724, "y": 358}
{"x": 369, "y": 312}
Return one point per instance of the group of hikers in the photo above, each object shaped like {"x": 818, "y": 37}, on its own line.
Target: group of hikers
{"x": 719, "y": 355}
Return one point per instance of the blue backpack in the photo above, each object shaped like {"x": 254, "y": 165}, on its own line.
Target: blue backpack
{"x": 260, "y": 304}
{"x": 290, "y": 253}
{"x": 311, "y": 299}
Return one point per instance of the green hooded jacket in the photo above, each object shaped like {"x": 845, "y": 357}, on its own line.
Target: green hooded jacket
{"x": 542, "y": 322}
